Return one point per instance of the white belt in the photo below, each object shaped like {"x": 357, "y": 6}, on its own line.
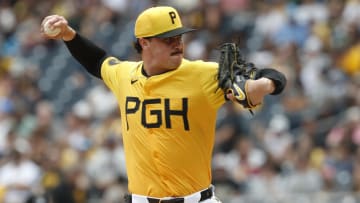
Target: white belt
{"x": 192, "y": 198}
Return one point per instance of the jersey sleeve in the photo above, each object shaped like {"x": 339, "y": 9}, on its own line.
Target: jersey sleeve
{"x": 110, "y": 70}
{"x": 209, "y": 84}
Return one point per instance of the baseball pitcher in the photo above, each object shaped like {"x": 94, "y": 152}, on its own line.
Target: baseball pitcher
{"x": 168, "y": 104}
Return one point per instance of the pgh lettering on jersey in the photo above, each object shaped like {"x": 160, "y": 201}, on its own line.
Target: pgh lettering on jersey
{"x": 134, "y": 105}
{"x": 162, "y": 120}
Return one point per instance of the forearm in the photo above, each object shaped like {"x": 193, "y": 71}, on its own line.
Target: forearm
{"x": 251, "y": 92}
{"x": 87, "y": 54}
{"x": 270, "y": 81}
{"x": 84, "y": 51}
{"x": 258, "y": 89}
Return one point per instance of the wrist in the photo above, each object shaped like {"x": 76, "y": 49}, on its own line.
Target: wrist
{"x": 277, "y": 78}
{"x": 258, "y": 89}
{"x": 268, "y": 85}
{"x": 69, "y": 34}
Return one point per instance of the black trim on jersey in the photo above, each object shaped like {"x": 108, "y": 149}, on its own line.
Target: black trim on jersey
{"x": 87, "y": 54}
{"x": 143, "y": 71}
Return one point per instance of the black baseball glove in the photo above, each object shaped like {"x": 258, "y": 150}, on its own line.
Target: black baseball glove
{"x": 234, "y": 72}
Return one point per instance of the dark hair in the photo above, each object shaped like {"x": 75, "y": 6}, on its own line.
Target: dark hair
{"x": 137, "y": 46}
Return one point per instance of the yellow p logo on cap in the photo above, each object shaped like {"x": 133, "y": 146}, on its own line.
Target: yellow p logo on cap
{"x": 162, "y": 21}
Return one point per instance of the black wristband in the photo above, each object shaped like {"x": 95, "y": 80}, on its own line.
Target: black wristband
{"x": 277, "y": 77}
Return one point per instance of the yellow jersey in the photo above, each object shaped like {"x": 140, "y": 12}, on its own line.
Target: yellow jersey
{"x": 168, "y": 124}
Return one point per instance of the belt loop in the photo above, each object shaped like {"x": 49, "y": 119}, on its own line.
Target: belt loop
{"x": 206, "y": 194}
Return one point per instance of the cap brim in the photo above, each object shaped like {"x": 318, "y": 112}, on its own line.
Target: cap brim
{"x": 173, "y": 33}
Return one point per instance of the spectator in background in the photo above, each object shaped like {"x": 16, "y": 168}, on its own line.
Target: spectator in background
{"x": 356, "y": 172}
{"x": 350, "y": 61}
{"x": 244, "y": 161}
{"x": 337, "y": 167}
{"x": 230, "y": 126}
{"x": 277, "y": 139}
{"x": 267, "y": 181}
{"x": 19, "y": 175}
{"x": 302, "y": 178}
{"x": 106, "y": 165}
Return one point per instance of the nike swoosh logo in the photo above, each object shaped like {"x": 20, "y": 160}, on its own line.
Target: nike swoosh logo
{"x": 133, "y": 81}
{"x": 240, "y": 94}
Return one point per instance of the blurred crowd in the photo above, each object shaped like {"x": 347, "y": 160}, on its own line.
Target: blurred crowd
{"x": 60, "y": 138}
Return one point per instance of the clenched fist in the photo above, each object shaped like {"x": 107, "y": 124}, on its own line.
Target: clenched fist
{"x": 54, "y": 22}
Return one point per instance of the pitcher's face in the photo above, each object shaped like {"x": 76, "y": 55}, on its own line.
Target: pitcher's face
{"x": 166, "y": 53}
